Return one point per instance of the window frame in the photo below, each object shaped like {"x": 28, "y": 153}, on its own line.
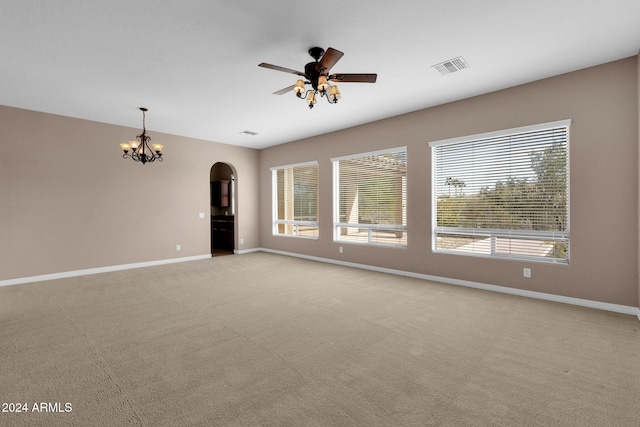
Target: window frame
{"x": 275, "y": 221}
{"x": 494, "y": 234}
{"x": 371, "y": 228}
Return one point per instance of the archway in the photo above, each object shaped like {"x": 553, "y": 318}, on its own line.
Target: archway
{"x": 223, "y": 198}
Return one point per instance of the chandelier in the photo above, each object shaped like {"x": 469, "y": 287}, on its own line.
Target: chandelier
{"x": 140, "y": 150}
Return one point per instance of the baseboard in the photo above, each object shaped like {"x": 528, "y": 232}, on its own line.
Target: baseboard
{"x": 98, "y": 270}
{"x": 616, "y": 308}
{"x": 246, "y": 251}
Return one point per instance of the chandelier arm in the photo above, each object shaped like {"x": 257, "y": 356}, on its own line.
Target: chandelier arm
{"x": 151, "y": 155}
{"x": 326, "y": 95}
{"x": 144, "y": 141}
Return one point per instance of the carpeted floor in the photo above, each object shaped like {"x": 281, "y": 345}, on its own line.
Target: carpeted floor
{"x": 267, "y": 340}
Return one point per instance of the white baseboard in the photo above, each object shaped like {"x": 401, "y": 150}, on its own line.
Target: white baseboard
{"x": 246, "y": 251}
{"x": 494, "y": 288}
{"x": 616, "y": 308}
{"x": 98, "y": 270}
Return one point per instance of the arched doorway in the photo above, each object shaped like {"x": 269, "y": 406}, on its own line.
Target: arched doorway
{"x": 222, "y": 180}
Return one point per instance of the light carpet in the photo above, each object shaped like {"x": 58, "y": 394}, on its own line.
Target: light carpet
{"x": 268, "y": 340}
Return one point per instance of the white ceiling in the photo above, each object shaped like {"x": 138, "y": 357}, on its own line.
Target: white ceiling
{"x": 194, "y": 63}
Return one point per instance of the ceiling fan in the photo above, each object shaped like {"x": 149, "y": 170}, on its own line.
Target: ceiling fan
{"x": 317, "y": 75}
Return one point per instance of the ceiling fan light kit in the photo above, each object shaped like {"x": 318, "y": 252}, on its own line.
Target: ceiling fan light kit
{"x": 317, "y": 75}
{"x": 299, "y": 87}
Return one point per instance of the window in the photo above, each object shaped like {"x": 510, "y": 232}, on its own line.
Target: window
{"x": 295, "y": 200}
{"x": 503, "y": 194}
{"x": 370, "y": 198}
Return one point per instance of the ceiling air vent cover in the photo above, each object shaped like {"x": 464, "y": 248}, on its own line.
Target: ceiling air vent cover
{"x": 451, "y": 66}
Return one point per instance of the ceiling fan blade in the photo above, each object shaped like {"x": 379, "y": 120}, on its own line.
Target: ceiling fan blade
{"x": 278, "y": 68}
{"x": 285, "y": 90}
{"x": 354, "y": 78}
{"x": 329, "y": 59}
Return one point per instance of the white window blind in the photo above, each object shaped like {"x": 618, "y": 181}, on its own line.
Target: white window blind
{"x": 370, "y": 198}
{"x": 504, "y": 194}
{"x": 295, "y": 200}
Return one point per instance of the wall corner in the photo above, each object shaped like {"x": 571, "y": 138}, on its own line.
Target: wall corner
{"x": 638, "y": 144}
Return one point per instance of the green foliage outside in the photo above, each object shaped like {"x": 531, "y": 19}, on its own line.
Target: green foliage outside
{"x": 538, "y": 204}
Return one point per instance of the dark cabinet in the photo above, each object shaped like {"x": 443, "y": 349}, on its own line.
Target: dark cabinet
{"x": 222, "y": 232}
{"x": 220, "y": 193}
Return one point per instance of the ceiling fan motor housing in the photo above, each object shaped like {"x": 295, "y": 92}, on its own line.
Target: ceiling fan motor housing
{"x": 312, "y": 72}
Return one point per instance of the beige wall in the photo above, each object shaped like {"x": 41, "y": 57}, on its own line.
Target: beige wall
{"x": 603, "y": 104}
{"x": 69, "y": 201}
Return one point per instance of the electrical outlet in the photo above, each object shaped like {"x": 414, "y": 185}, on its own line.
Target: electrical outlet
{"x": 177, "y": 247}
{"x": 201, "y": 214}
{"x": 526, "y": 272}
{"x": 340, "y": 249}
{"x": 241, "y": 240}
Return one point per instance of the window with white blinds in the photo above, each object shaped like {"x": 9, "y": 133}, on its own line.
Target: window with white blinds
{"x": 295, "y": 200}
{"x": 503, "y": 194}
{"x": 370, "y": 198}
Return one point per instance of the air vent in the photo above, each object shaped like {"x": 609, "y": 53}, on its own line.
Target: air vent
{"x": 248, "y": 132}
{"x": 451, "y": 66}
